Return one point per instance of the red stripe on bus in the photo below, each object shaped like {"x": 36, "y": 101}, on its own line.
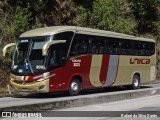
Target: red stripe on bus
{"x": 104, "y": 68}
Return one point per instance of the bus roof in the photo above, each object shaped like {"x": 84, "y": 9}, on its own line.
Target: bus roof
{"x": 82, "y": 30}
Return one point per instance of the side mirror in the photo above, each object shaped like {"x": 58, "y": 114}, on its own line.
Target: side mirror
{"x": 6, "y": 47}
{"x": 48, "y": 44}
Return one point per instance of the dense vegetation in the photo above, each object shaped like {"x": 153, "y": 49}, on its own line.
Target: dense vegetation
{"x": 135, "y": 17}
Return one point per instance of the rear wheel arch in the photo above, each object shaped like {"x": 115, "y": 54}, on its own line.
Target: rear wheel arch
{"x": 78, "y": 77}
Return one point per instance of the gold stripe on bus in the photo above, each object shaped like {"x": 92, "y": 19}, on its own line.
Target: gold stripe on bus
{"x": 95, "y": 70}
{"x": 26, "y": 78}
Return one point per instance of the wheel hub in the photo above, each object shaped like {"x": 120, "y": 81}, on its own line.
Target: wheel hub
{"x": 74, "y": 86}
{"x": 136, "y": 82}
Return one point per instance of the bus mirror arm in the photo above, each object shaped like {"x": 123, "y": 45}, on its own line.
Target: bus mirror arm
{"x": 6, "y": 47}
{"x": 48, "y": 44}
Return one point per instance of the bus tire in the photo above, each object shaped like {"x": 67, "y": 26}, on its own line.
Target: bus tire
{"x": 75, "y": 87}
{"x": 136, "y": 82}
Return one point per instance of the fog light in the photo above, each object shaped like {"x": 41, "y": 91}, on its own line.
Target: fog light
{"x": 41, "y": 87}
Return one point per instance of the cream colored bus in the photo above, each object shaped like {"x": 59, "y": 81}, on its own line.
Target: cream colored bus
{"x": 70, "y": 58}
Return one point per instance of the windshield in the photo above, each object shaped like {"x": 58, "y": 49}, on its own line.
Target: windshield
{"x": 28, "y": 57}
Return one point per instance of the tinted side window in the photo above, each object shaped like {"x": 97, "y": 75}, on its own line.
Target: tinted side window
{"x": 55, "y": 57}
{"x": 139, "y": 48}
{"x": 80, "y": 45}
{"x": 126, "y": 48}
{"x": 149, "y": 48}
{"x": 65, "y": 46}
{"x": 113, "y": 47}
{"x": 64, "y": 36}
{"x": 97, "y": 45}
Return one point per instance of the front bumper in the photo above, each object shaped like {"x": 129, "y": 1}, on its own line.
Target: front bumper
{"x": 38, "y": 87}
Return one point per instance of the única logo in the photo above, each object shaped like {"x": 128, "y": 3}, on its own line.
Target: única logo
{"x": 139, "y": 61}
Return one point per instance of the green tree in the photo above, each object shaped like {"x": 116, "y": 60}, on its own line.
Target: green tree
{"x": 113, "y": 15}
{"x": 146, "y": 13}
{"x": 13, "y": 23}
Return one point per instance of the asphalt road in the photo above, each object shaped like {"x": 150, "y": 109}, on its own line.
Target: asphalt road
{"x": 145, "y": 108}
{"x": 150, "y": 103}
{"x": 42, "y": 98}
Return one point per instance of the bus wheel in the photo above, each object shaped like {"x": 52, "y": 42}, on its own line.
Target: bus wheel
{"x": 136, "y": 82}
{"x": 75, "y": 87}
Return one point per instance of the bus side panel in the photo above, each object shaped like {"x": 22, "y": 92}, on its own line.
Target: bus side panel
{"x": 59, "y": 81}
{"x": 153, "y": 68}
{"x": 112, "y": 70}
{"x": 80, "y": 66}
{"x": 94, "y": 74}
{"x": 104, "y": 68}
{"x": 129, "y": 65}
{"x": 95, "y": 70}
{"x": 101, "y": 71}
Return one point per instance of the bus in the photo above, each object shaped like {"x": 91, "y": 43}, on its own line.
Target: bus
{"x": 71, "y": 58}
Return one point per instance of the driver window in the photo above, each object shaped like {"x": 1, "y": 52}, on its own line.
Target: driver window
{"x": 65, "y": 47}
{"x": 55, "y": 57}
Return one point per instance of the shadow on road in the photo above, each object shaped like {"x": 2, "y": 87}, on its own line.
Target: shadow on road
{"x": 83, "y": 92}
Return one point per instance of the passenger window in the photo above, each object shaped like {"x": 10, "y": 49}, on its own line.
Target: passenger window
{"x": 139, "y": 48}
{"x": 79, "y": 45}
{"x": 149, "y": 48}
{"x": 113, "y": 47}
{"x": 126, "y": 48}
{"x": 97, "y": 45}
